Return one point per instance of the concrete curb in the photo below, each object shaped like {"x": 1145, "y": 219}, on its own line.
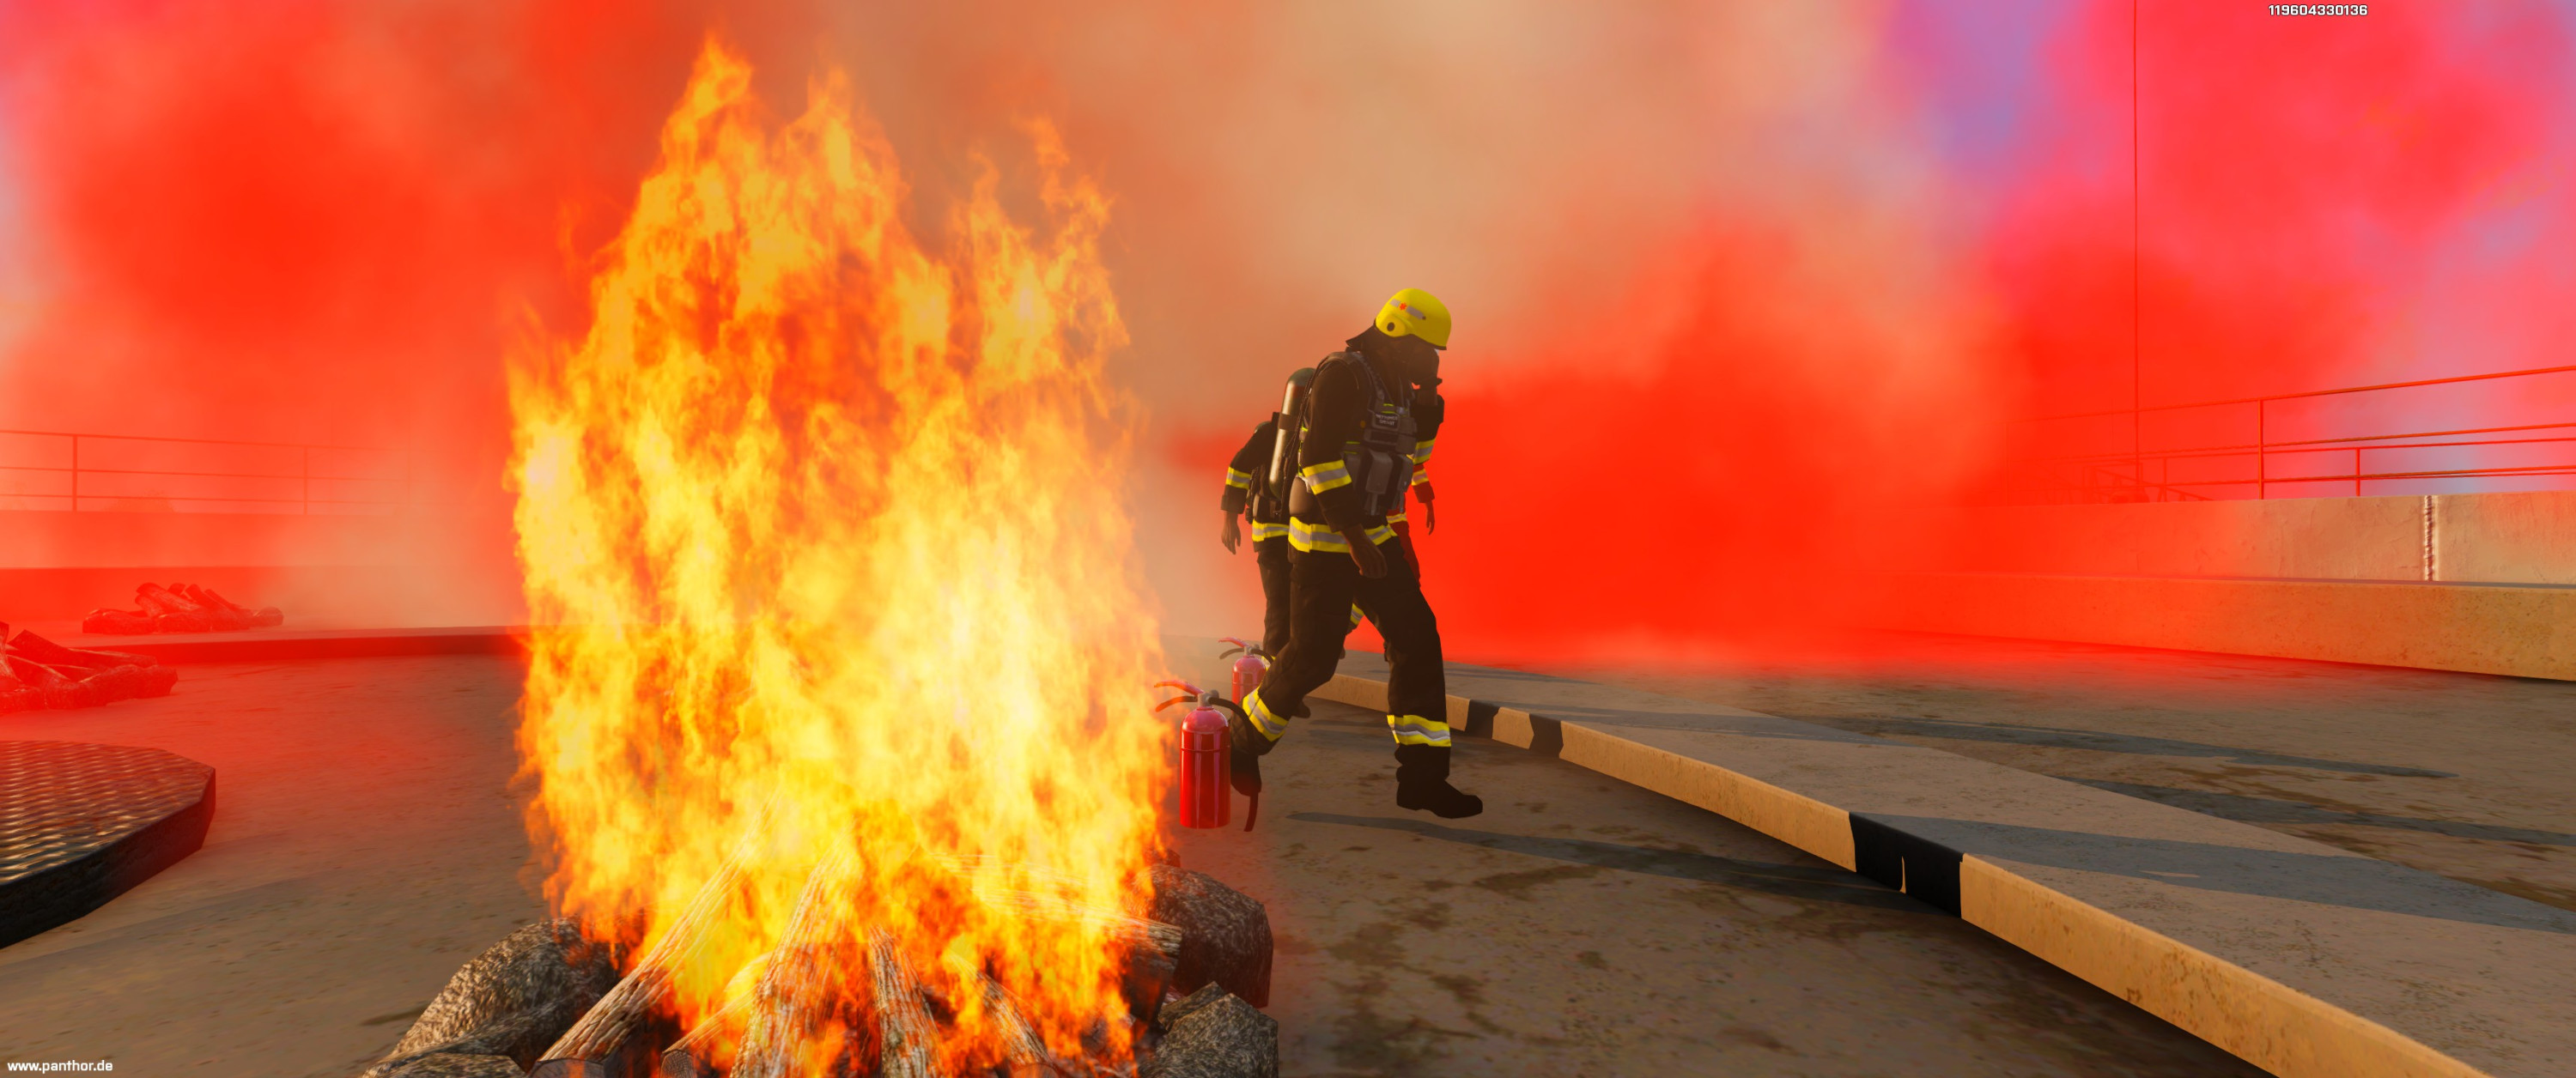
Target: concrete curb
{"x": 2303, "y": 959}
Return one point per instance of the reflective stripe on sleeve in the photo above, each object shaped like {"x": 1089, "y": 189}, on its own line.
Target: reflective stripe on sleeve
{"x": 1355, "y": 615}
{"x": 1271, "y": 724}
{"x": 1238, "y": 479}
{"x": 1416, "y": 730}
{"x": 1422, "y": 451}
{"x": 1326, "y": 476}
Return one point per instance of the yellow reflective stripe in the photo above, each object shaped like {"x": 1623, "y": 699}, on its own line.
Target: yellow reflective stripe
{"x": 1309, "y": 537}
{"x": 1416, "y": 730}
{"x": 1326, "y": 476}
{"x": 1270, "y": 723}
{"x": 1306, "y": 536}
{"x": 1265, "y": 532}
{"x": 1420, "y": 477}
{"x": 1422, "y": 451}
{"x": 1237, "y": 477}
{"x": 1395, "y": 516}
{"x": 1355, "y": 615}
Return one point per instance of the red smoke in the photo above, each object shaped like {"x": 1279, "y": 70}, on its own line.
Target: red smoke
{"x": 290, "y": 221}
{"x": 2314, "y": 197}
{"x": 1738, "y": 319}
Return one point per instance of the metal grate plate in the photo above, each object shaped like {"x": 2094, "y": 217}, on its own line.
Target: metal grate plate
{"x": 61, "y": 801}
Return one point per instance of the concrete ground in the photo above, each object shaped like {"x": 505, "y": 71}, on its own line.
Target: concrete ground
{"x": 1582, "y": 926}
{"x": 2466, "y": 775}
{"x": 366, "y": 843}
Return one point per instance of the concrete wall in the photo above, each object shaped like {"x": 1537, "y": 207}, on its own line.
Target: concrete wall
{"x": 2475, "y": 582}
{"x": 37, "y": 540}
{"x": 2520, "y": 538}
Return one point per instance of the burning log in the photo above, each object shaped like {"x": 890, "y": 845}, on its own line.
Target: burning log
{"x": 795, "y": 981}
{"x": 1028, "y": 1054}
{"x": 605, "y": 1041}
{"x": 1154, "y": 949}
{"x": 509, "y": 1002}
{"x": 1214, "y": 1034}
{"x": 453, "y": 1065}
{"x": 1227, "y": 932}
{"x": 694, "y": 1055}
{"x": 907, "y": 1039}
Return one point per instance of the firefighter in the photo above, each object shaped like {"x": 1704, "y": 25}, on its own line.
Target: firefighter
{"x": 1247, "y": 495}
{"x": 1369, "y": 420}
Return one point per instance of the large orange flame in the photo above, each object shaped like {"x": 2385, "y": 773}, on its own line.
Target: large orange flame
{"x": 830, "y": 525}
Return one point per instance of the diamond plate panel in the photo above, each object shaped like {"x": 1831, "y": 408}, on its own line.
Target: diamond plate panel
{"x": 61, "y": 801}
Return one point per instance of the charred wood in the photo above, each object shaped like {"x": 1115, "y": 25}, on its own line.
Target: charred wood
{"x": 180, "y": 608}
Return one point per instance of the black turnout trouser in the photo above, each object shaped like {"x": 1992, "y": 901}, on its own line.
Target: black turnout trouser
{"x": 1323, "y": 587}
{"x": 1273, "y": 556}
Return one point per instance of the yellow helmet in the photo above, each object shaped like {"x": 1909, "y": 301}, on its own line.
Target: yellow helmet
{"x": 1416, "y": 312}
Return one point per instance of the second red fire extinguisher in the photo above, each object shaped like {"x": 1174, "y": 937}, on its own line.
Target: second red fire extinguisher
{"x": 1249, "y": 665}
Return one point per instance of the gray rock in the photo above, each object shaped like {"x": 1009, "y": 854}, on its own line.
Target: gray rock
{"x": 510, "y": 1003}
{"x": 452, "y": 1065}
{"x": 1214, "y": 1034}
{"x": 1228, "y": 942}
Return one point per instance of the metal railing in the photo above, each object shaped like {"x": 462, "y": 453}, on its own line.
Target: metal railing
{"x": 72, "y": 472}
{"x": 2142, "y": 473}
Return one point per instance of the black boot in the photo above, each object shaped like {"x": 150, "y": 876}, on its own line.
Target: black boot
{"x": 1422, "y": 782}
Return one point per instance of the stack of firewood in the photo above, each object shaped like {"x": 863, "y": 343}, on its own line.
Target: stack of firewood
{"x": 44, "y": 674}
{"x": 180, "y": 608}
{"x": 549, "y": 1002}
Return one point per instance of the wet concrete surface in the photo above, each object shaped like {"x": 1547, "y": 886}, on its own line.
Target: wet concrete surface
{"x": 2466, "y": 775}
{"x": 366, "y": 843}
{"x": 1582, "y": 926}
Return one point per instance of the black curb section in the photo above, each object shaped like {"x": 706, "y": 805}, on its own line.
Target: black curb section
{"x": 1905, "y": 862}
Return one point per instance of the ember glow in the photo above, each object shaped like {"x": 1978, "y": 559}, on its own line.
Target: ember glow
{"x": 828, "y": 520}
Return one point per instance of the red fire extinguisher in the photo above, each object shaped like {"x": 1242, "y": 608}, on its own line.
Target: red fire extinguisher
{"x": 1206, "y": 801}
{"x": 1249, "y": 666}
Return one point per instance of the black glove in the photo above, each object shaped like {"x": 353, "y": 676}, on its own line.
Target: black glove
{"x": 1245, "y": 772}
